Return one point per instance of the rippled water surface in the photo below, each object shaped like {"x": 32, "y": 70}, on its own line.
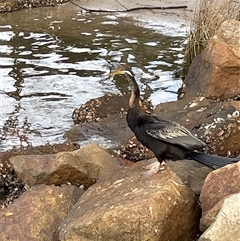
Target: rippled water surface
{"x": 55, "y": 59}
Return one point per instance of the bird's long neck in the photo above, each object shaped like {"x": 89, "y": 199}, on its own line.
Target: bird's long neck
{"x": 135, "y": 93}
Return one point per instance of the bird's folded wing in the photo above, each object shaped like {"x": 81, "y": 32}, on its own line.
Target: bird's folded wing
{"x": 173, "y": 133}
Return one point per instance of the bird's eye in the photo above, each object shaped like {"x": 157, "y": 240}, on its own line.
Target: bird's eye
{"x": 128, "y": 72}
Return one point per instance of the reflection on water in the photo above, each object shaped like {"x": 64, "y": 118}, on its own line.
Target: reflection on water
{"x": 55, "y": 59}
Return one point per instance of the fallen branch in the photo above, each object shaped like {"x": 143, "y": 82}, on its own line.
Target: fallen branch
{"x": 121, "y": 4}
{"x": 89, "y": 10}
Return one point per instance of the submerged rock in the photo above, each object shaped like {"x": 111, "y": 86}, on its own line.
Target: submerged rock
{"x": 110, "y": 104}
{"x": 122, "y": 206}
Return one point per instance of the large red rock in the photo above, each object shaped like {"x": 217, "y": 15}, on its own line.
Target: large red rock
{"x": 122, "y": 206}
{"x": 214, "y": 73}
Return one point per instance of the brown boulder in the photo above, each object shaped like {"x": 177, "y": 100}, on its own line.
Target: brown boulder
{"x": 218, "y": 185}
{"x": 36, "y": 215}
{"x": 11, "y": 186}
{"x": 122, "y": 206}
{"x": 79, "y": 167}
{"x": 214, "y": 73}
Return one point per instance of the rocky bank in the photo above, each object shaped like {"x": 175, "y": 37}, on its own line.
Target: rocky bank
{"x": 89, "y": 194}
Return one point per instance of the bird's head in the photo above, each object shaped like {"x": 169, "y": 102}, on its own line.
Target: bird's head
{"x": 122, "y": 70}
{"x": 135, "y": 93}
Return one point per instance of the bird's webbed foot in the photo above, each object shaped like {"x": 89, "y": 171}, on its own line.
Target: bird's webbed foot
{"x": 153, "y": 168}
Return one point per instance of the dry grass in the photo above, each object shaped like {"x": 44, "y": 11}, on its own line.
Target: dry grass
{"x": 206, "y": 20}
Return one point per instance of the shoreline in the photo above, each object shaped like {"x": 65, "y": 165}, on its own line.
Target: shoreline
{"x": 176, "y": 14}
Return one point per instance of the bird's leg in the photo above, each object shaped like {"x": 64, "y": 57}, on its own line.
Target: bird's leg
{"x": 155, "y": 164}
{"x": 153, "y": 168}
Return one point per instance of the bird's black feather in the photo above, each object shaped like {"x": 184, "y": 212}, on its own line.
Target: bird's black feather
{"x": 172, "y": 133}
{"x": 211, "y": 160}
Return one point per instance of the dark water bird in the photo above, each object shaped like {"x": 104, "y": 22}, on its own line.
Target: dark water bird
{"x": 166, "y": 139}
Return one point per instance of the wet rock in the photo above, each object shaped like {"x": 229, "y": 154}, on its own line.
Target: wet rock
{"x": 133, "y": 150}
{"x": 111, "y": 131}
{"x": 123, "y": 205}
{"x": 226, "y": 226}
{"x": 80, "y": 167}
{"x": 10, "y": 185}
{"x": 214, "y": 73}
{"x": 14, "y": 5}
{"x": 218, "y": 185}
{"x": 96, "y": 109}
{"x": 109, "y": 104}
{"x": 36, "y": 215}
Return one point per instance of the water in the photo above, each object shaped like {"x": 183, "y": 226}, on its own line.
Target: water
{"x": 55, "y": 59}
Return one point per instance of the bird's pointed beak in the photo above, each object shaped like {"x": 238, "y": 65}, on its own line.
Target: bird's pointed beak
{"x": 116, "y": 72}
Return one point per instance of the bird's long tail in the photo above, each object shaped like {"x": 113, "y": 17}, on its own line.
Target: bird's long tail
{"x": 212, "y": 160}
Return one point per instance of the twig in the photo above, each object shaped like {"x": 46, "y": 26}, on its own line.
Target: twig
{"x": 126, "y": 9}
{"x": 121, "y": 5}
